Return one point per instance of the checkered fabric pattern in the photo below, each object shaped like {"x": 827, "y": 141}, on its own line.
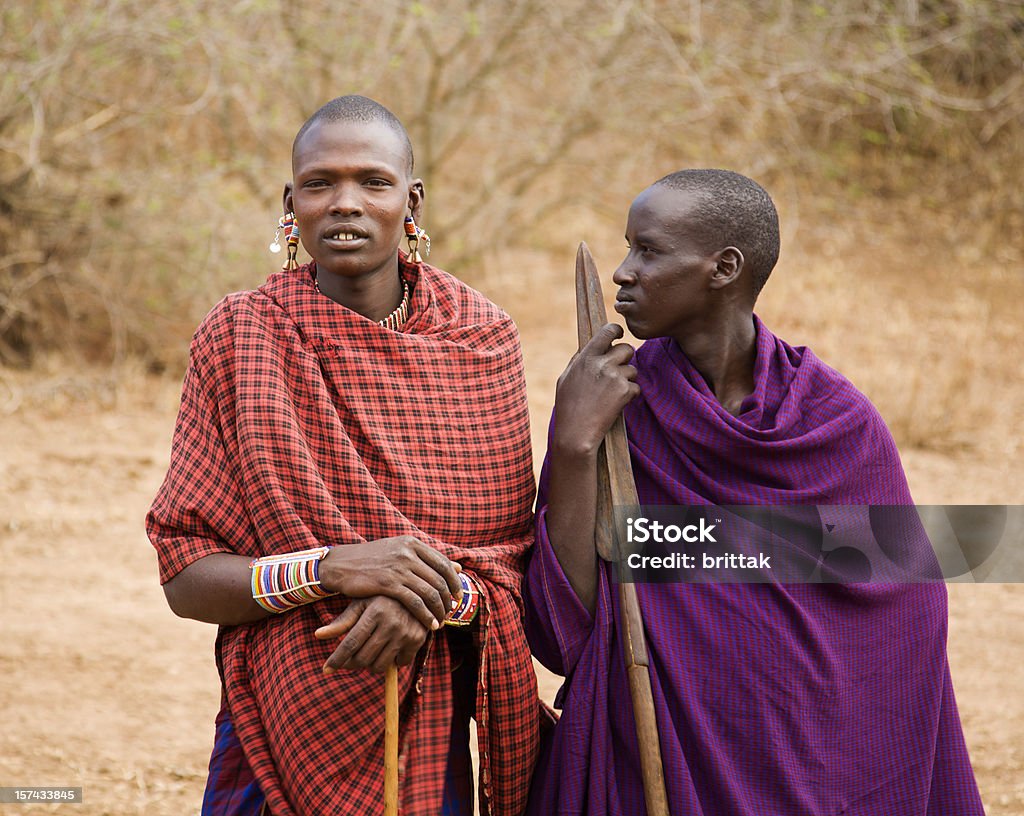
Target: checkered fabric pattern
{"x": 302, "y": 424}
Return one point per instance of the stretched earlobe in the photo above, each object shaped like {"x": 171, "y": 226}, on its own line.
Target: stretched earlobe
{"x": 417, "y": 195}
{"x": 414, "y": 234}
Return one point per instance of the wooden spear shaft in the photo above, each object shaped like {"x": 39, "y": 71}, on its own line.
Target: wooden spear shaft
{"x": 391, "y": 741}
{"x": 616, "y": 488}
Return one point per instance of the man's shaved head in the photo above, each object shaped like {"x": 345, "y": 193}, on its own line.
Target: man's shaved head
{"x": 355, "y": 108}
{"x": 733, "y": 210}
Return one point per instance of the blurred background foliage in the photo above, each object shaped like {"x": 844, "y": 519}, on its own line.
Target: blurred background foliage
{"x": 143, "y": 146}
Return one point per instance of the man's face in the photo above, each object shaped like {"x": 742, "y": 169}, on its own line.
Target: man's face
{"x": 663, "y": 280}
{"x": 351, "y": 191}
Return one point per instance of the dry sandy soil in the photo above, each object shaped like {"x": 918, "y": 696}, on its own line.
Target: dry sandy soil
{"x": 102, "y": 687}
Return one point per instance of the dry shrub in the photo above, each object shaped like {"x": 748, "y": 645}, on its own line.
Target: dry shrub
{"x": 143, "y": 146}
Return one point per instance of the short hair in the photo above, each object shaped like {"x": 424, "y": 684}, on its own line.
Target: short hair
{"x": 355, "y": 108}
{"x": 734, "y": 211}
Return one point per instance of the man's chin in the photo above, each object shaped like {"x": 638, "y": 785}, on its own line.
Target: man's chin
{"x": 344, "y": 266}
{"x": 638, "y": 330}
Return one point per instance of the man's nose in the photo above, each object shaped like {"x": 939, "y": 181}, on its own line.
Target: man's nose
{"x": 624, "y": 276}
{"x": 347, "y": 200}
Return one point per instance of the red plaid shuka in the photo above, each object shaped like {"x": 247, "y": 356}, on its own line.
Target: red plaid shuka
{"x": 303, "y": 423}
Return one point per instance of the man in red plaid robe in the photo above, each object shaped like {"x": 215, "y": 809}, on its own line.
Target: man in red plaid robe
{"x": 306, "y": 422}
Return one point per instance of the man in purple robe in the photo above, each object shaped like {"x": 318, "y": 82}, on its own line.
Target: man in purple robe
{"x": 771, "y": 698}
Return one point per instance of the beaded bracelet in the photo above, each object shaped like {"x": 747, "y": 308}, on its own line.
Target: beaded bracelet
{"x": 285, "y": 581}
{"x": 464, "y": 611}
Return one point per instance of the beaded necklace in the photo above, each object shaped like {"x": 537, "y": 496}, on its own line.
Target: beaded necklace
{"x": 397, "y": 318}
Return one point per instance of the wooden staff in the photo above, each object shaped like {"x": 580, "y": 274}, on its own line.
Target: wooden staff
{"x": 391, "y": 741}
{"x": 616, "y": 488}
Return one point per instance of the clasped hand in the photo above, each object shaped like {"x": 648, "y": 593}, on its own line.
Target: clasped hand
{"x": 402, "y": 589}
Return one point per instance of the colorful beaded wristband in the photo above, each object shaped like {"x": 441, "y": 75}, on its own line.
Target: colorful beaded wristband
{"x": 464, "y": 611}
{"x": 285, "y": 581}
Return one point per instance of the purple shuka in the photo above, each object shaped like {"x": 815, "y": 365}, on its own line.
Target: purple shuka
{"x": 771, "y": 698}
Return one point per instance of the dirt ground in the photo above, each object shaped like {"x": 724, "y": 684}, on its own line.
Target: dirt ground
{"x": 102, "y": 687}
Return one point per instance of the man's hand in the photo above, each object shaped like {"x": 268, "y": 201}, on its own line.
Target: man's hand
{"x": 592, "y": 391}
{"x": 404, "y": 568}
{"x": 376, "y": 633}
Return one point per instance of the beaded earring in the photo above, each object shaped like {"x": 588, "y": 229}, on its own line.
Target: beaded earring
{"x": 414, "y": 234}
{"x": 291, "y": 234}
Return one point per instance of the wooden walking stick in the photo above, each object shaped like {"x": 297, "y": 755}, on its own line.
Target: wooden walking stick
{"x": 616, "y": 488}
{"x": 391, "y": 741}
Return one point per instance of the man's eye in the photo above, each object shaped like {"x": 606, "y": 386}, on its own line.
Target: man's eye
{"x": 376, "y": 182}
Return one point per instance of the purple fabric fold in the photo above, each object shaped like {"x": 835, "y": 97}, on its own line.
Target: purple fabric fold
{"x": 771, "y": 698}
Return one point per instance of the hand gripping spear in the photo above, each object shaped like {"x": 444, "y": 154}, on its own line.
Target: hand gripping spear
{"x": 616, "y": 488}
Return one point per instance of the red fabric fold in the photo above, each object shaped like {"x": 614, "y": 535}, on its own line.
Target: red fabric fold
{"x": 303, "y": 423}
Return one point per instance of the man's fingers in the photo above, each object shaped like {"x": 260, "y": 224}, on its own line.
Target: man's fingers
{"x": 388, "y": 656}
{"x": 341, "y": 624}
{"x": 621, "y": 353}
{"x": 350, "y": 645}
{"x": 417, "y": 607}
{"x": 601, "y": 344}
{"x": 437, "y": 582}
{"x": 602, "y": 339}
{"x": 400, "y": 649}
{"x": 382, "y": 636}
{"x": 408, "y": 654}
{"x": 430, "y": 596}
{"x": 371, "y": 652}
{"x": 447, "y": 570}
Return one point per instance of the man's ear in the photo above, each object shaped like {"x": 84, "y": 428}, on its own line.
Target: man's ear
{"x": 286, "y": 198}
{"x": 728, "y": 266}
{"x": 417, "y": 195}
